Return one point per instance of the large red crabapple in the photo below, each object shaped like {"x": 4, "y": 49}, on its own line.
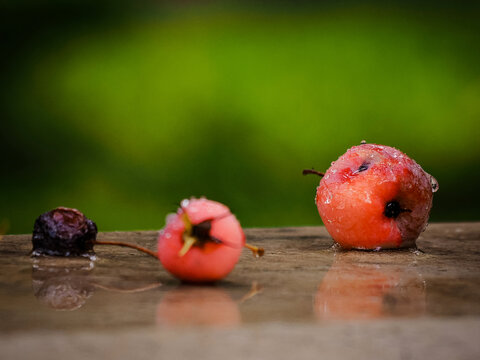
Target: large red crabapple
{"x": 375, "y": 197}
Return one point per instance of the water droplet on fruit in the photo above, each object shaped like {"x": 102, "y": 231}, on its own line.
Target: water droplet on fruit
{"x": 184, "y": 203}
{"x": 170, "y": 217}
{"x": 367, "y": 198}
{"x": 434, "y": 184}
{"x": 328, "y": 198}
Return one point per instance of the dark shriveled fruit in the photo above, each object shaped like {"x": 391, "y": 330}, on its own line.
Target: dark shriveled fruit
{"x": 67, "y": 232}
{"x": 63, "y": 232}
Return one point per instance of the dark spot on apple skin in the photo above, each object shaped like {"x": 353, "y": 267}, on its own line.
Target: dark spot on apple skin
{"x": 363, "y": 167}
{"x": 393, "y": 209}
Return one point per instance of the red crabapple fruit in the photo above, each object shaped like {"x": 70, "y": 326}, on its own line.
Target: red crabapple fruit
{"x": 374, "y": 197}
{"x": 202, "y": 242}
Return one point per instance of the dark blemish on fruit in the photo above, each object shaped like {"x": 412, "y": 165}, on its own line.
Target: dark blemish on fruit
{"x": 393, "y": 209}
{"x": 363, "y": 167}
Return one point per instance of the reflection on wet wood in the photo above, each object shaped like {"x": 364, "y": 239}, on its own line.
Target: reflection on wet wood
{"x": 301, "y": 281}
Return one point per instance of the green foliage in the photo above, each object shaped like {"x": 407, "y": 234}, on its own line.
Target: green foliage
{"x": 122, "y": 124}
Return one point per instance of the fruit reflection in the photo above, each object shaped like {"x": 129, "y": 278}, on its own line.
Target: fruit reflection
{"x": 363, "y": 285}
{"x": 198, "y": 306}
{"x": 62, "y": 285}
{"x": 67, "y": 283}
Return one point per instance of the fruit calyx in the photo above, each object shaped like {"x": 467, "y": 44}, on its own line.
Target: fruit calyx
{"x": 199, "y": 235}
{"x": 393, "y": 209}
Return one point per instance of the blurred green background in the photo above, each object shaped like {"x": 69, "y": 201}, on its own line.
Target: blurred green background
{"x": 122, "y": 109}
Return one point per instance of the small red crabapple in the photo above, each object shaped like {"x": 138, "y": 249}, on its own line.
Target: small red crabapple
{"x": 374, "y": 197}
{"x": 202, "y": 242}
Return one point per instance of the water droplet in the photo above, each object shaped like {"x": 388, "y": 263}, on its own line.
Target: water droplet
{"x": 184, "y": 203}
{"x": 367, "y": 198}
{"x": 416, "y": 251}
{"x": 91, "y": 257}
{"x": 328, "y": 198}
{"x": 363, "y": 142}
{"x": 336, "y": 247}
{"x": 434, "y": 184}
{"x": 170, "y": 217}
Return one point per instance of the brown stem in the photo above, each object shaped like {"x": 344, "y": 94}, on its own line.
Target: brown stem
{"x": 133, "y": 246}
{"x": 257, "y": 251}
{"x": 314, "y": 172}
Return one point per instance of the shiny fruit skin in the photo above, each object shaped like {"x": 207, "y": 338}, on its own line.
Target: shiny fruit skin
{"x": 353, "y": 195}
{"x": 209, "y": 261}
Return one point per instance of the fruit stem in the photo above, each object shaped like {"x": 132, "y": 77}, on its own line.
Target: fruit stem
{"x": 314, "y": 172}
{"x": 257, "y": 251}
{"x": 188, "y": 242}
{"x": 133, "y": 246}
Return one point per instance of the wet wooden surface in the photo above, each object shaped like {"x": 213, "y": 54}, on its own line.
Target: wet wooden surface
{"x": 303, "y": 299}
